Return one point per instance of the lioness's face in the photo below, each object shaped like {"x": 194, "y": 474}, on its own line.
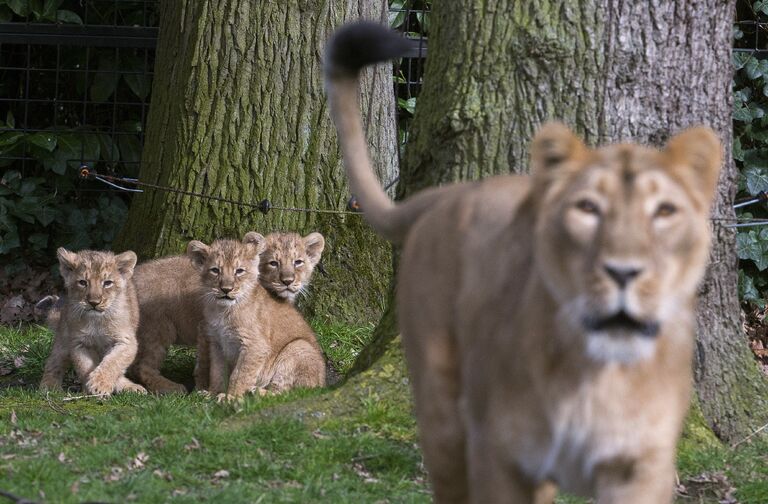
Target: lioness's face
{"x": 94, "y": 279}
{"x": 622, "y": 242}
{"x": 288, "y": 261}
{"x": 229, "y": 269}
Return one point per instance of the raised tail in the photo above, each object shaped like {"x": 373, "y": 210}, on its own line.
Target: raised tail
{"x": 351, "y": 48}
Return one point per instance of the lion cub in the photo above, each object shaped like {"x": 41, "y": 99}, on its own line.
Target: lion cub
{"x": 95, "y": 323}
{"x": 255, "y": 341}
{"x": 287, "y": 263}
{"x": 548, "y": 321}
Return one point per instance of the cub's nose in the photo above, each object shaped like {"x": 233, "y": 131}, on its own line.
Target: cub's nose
{"x": 226, "y": 290}
{"x": 622, "y": 274}
{"x": 287, "y": 281}
{"x": 93, "y": 303}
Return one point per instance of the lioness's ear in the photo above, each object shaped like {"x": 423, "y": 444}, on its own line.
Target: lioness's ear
{"x": 256, "y": 240}
{"x": 198, "y": 252}
{"x": 314, "y": 243}
{"x": 125, "y": 263}
{"x": 553, "y": 144}
{"x": 697, "y": 155}
{"x": 68, "y": 261}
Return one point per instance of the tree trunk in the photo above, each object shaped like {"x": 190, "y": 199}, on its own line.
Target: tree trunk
{"x": 632, "y": 71}
{"x": 238, "y": 111}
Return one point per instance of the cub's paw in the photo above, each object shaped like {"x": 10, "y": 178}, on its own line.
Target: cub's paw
{"x": 98, "y": 385}
{"x": 204, "y": 393}
{"x": 48, "y": 384}
{"x": 228, "y": 399}
{"x": 133, "y": 387}
{"x": 170, "y": 388}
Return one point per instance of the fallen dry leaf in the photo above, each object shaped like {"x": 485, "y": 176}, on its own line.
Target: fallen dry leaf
{"x": 139, "y": 461}
{"x": 14, "y": 419}
{"x": 194, "y": 445}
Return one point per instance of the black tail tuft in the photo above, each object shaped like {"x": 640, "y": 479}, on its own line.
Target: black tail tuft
{"x": 362, "y": 43}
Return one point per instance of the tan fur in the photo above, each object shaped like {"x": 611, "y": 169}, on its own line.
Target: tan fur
{"x": 171, "y": 310}
{"x": 256, "y": 341}
{"x": 287, "y": 263}
{"x": 510, "y": 300}
{"x": 95, "y": 324}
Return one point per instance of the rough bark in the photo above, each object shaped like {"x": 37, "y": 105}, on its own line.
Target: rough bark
{"x": 239, "y": 112}
{"x": 632, "y": 71}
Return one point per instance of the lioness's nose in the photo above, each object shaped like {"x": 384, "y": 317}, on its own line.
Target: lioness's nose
{"x": 621, "y": 274}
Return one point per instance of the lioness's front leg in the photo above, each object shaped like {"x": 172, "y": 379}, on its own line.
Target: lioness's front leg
{"x": 103, "y": 379}
{"x": 247, "y": 373}
{"x": 646, "y": 481}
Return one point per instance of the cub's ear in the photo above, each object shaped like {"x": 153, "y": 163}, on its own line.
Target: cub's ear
{"x": 697, "y": 156}
{"x": 198, "y": 252}
{"x": 125, "y": 263}
{"x": 68, "y": 261}
{"x": 552, "y": 145}
{"x": 254, "y": 239}
{"x": 314, "y": 243}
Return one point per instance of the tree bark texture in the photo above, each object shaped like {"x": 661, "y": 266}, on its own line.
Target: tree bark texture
{"x": 614, "y": 71}
{"x": 239, "y": 112}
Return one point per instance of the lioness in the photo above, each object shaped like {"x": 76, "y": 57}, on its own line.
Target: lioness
{"x": 256, "y": 342}
{"x": 547, "y": 320}
{"x": 95, "y": 323}
{"x": 172, "y": 309}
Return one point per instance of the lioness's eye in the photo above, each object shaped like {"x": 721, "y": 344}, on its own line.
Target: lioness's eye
{"x": 273, "y": 264}
{"x": 108, "y": 283}
{"x": 239, "y": 271}
{"x": 665, "y": 210}
{"x": 298, "y": 262}
{"x": 82, "y": 282}
{"x": 214, "y": 270}
{"x": 588, "y": 207}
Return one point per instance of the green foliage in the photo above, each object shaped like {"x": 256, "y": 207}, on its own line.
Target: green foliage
{"x": 750, "y": 151}
{"x": 43, "y": 204}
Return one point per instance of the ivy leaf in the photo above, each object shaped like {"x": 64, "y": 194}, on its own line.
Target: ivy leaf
{"x": 50, "y": 8}
{"x": 20, "y": 7}
{"x": 752, "y": 67}
{"x": 38, "y": 240}
{"x": 741, "y": 113}
{"x": 130, "y": 148}
{"x": 738, "y": 152}
{"x": 6, "y": 14}
{"x": 756, "y": 178}
{"x": 44, "y": 140}
{"x": 396, "y": 13}
{"x": 67, "y": 16}
{"x": 748, "y": 291}
{"x": 739, "y": 59}
{"x": 105, "y": 80}
{"x": 109, "y": 149}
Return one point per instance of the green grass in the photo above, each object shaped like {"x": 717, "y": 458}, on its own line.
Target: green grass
{"x": 356, "y": 443}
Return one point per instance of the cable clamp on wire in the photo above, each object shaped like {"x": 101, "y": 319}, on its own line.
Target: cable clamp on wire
{"x": 265, "y": 206}
{"x": 353, "y": 205}
{"x": 86, "y": 173}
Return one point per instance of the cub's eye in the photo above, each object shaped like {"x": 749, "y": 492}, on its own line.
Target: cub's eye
{"x": 588, "y": 207}
{"x": 298, "y": 262}
{"x": 82, "y": 283}
{"x": 239, "y": 271}
{"x": 214, "y": 270}
{"x": 108, "y": 283}
{"x": 665, "y": 210}
{"x": 273, "y": 264}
